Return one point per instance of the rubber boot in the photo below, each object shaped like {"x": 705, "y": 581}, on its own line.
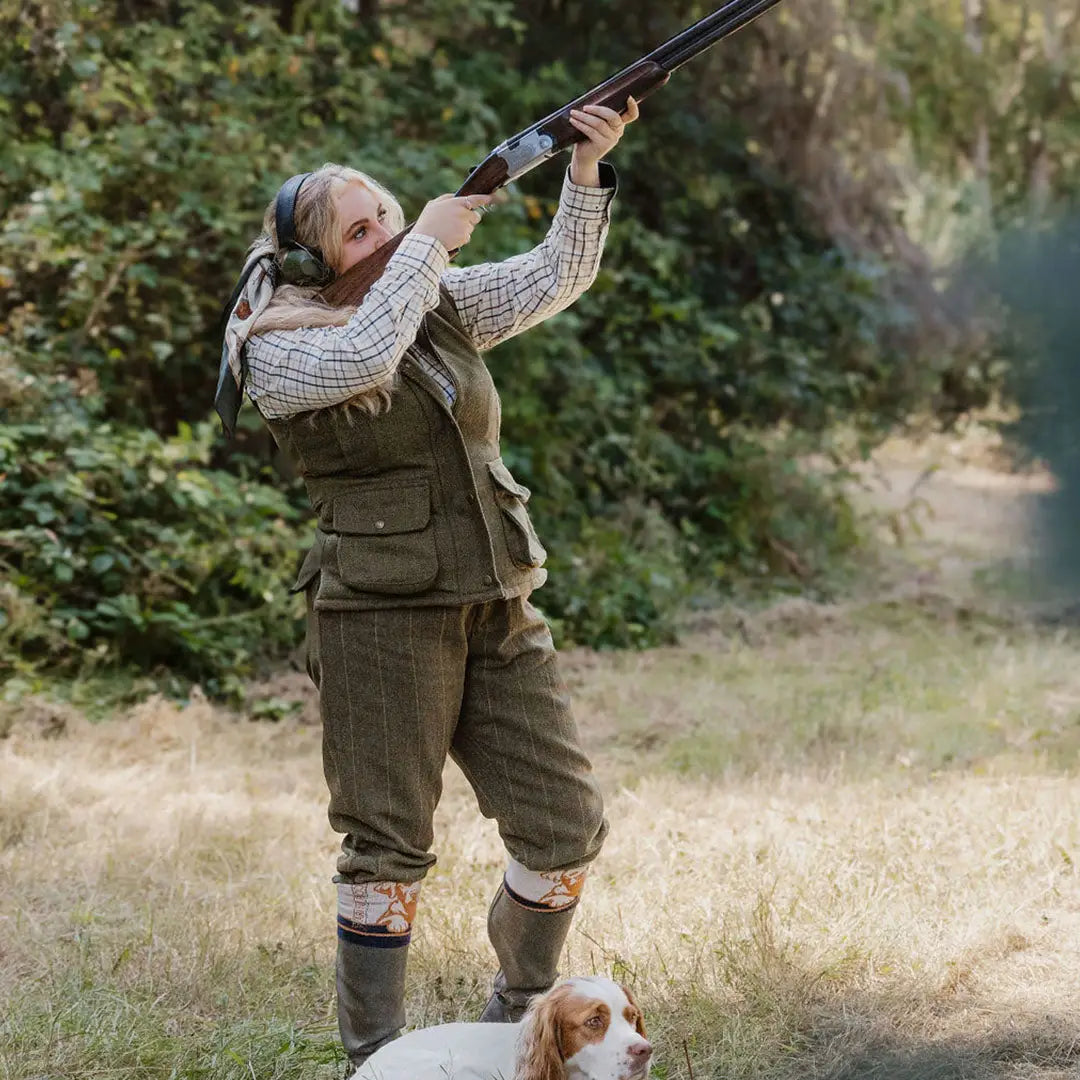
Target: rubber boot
{"x": 528, "y": 944}
{"x": 371, "y": 997}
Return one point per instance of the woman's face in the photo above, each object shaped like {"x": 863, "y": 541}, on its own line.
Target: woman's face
{"x": 362, "y": 218}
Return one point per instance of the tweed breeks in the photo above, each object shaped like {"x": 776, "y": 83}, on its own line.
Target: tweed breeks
{"x": 402, "y": 688}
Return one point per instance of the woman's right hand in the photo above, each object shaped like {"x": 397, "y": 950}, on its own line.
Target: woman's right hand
{"x": 451, "y": 219}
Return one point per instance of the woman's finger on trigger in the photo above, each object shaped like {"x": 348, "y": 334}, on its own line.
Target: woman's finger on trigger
{"x": 475, "y": 205}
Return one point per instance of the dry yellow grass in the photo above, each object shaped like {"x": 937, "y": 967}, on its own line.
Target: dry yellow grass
{"x": 845, "y": 844}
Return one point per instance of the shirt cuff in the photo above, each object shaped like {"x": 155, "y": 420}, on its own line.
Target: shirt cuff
{"x": 421, "y": 254}
{"x": 589, "y": 202}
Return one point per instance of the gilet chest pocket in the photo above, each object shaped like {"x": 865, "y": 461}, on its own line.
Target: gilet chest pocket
{"x": 385, "y": 539}
{"x": 522, "y": 543}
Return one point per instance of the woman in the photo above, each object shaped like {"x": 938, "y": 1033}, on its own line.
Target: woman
{"x": 421, "y": 638}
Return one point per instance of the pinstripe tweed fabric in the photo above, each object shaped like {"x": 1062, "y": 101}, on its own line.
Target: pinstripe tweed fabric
{"x": 402, "y": 688}
{"x": 294, "y": 371}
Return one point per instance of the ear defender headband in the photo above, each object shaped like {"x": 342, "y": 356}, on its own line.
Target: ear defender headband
{"x": 300, "y": 265}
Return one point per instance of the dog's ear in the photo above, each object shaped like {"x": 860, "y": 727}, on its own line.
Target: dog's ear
{"x": 639, "y": 1022}
{"x": 540, "y": 1054}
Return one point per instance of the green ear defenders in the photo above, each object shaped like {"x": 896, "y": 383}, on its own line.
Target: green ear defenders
{"x": 300, "y": 265}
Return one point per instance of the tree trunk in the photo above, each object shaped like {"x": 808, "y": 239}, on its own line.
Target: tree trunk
{"x": 1040, "y": 167}
{"x": 974, "y": 17}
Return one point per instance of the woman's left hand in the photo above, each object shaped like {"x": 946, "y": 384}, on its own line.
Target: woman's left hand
{"x": 602, "y": 128}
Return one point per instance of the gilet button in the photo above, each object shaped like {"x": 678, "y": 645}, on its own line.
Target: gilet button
{"x": 488, "y": 579}
{"x": 380, "y": 524}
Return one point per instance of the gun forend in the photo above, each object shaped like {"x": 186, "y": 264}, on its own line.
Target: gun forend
{"x": 529, "y": 148}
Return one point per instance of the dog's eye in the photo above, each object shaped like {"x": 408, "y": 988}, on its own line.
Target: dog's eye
{"x": 594, "y": 1022}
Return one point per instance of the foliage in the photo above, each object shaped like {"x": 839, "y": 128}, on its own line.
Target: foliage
{"x": 758, "y": 289}
{"x": 616, "y": 580}
{"x": 987, "y": 92}
{"x": 118, "y": 544}
{"x": 136, "y": 164}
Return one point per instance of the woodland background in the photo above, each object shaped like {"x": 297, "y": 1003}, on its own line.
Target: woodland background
{"x": 792, "y": 422}
{"x": 788, "y": 281}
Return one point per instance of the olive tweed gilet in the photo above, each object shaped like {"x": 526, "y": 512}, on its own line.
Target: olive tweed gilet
{"x": 415, "y": 506}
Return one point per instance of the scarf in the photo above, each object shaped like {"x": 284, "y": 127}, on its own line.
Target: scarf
{"x": 248, "y": 301}
{"x": 256, "y": 288}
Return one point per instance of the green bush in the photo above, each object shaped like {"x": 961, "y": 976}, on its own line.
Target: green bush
{"x": 616, "y": 581}
{"x": 139, "y": 144}
{"x": 121, "y": 545}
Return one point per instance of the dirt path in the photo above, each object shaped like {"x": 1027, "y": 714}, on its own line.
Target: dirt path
{"x": 953, "y": 504}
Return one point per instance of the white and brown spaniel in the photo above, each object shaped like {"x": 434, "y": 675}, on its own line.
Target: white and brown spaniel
{"x": 585, "y": 1028}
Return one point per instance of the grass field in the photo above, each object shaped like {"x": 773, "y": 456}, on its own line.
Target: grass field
{"x": 845, "y": 843}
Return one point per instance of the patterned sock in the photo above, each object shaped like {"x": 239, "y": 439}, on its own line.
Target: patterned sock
{"x": 378, "y": 914}
{"x": 544, "y": 890}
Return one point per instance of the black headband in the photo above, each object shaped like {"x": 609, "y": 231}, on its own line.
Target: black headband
{"x": 285, "y": 208}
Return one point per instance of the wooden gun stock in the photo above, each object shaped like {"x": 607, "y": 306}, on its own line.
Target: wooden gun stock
{"x": 350, "y": 288}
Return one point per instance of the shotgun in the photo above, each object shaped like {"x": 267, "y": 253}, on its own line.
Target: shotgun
{"x": 527, "y": 149}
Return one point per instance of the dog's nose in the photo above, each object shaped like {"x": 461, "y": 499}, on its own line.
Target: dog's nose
{"x": 641, "y": 1050}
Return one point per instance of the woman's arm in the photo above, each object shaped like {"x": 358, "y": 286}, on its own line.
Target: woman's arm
{"x": 495, "y": 301}
{"x": 293, "y": 371}
{"x": 498, "y": 300}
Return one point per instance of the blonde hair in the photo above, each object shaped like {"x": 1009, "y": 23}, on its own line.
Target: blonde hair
{"x": 316, "y": 223}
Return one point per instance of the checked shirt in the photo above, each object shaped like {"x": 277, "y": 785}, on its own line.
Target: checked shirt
{"x": 295, "y": 371}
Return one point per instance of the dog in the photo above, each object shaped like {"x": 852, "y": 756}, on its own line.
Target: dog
{"x": 584, "y": 1028}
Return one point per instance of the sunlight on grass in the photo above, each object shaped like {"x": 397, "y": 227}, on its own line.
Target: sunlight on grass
{"x": 845, "y": 844}
{"x": 828, "y": 844}
{"x": 869, "y": 690}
